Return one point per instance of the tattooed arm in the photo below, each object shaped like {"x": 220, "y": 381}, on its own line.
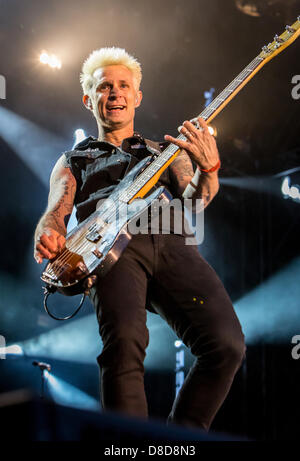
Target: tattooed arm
{"x": 190, "y": 184}
{"x": 49, "y": 237}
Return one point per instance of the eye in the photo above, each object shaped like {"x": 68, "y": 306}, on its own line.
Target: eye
{"x": 103, "y": 87}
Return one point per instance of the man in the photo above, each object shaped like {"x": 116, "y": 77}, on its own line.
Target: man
{"x": 153, "y": 267}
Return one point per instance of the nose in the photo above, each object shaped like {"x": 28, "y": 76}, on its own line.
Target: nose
{"x": 114, "y": 92}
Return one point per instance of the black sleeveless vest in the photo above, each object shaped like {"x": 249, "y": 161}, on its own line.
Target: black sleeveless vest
{"x": 99, "y": 167}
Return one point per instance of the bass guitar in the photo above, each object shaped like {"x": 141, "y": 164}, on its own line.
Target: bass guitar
{"x": 98, "y": 242}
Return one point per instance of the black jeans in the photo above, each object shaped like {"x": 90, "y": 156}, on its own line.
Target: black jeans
{"x": 188, "y": 294}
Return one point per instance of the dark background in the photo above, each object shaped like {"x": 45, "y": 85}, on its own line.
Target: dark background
{"x": 251, "y": 230}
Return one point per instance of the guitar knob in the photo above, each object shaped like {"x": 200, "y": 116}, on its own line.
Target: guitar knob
{"x": 81, "y": 267}
{"x": 97, "y": 253}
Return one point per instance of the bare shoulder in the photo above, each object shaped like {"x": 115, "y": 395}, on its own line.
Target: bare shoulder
{"x": 63, "y": 187}
{"x": 62, "y": 171}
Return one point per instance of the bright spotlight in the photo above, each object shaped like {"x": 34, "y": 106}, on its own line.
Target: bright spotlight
{"x": 44, "y": 58}
{"x": 270, "y": 312}
{"x": 79, "y": 135}
{"x": 212, "y": 130}
{"x": 178, "y": 343}
{"x": 65, "y": 394}
{"x": 50, "y": 60}
{"x": 14, "y": 349}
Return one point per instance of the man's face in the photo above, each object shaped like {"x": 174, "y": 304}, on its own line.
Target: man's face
{"x": 115, "y": 96}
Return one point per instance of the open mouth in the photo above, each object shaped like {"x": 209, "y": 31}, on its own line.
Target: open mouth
{"x": 115, "y": 109}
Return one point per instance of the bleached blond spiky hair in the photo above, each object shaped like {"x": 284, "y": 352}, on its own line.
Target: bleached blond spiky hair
{"x": 108, "y": 57}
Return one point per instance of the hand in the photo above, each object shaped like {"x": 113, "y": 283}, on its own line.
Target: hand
{"x": 200, "y": 144}
{"x": 48, "y": 245}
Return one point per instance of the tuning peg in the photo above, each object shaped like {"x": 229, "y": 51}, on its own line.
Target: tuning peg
{"x": 278, "y": 39}
{"x": 265, "y": 49}
{"x": 290, "y": 29}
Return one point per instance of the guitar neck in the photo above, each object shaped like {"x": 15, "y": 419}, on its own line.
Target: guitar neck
{"x": 218, "y": 103}
{"x": 147, "y": 179}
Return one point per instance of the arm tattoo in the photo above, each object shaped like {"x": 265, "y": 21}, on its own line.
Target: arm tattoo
{"x": 207, "y": 187}
{"x": 181, "y": 170}
{"x": 182, "y": 173}
{"x": 61, "y": 197}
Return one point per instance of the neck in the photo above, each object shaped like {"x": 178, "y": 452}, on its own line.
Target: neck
{"x": 114, "y": 136}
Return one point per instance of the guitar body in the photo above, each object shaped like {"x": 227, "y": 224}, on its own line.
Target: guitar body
{"x": 97, "y": 243}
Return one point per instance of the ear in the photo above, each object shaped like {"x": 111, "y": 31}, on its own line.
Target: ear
{"x": 87, "y": 102}
{"x": 138, "y": 98}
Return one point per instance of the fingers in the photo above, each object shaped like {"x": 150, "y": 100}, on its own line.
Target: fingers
{"x": 203, "y": 125}
{"x": 190, "y": 129}
{"x": 191, "y": 132}
{"x": 182, "y": 144}
{"x": 38, "y": 257}
{"x": 196, "y": 127}
{"x": 49, "y": 244}
{"x": 44, "y": 252}
{"x": 61, "y": 242}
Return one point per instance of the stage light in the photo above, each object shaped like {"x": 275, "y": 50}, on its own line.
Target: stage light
{"x": 64, "y": 393}
{"x": 50, "y": 60}
{"x": 75, "y": 341}
{"x": 78, "y": 341}
{"x": 79, "y": 135}
{"x": 178, "y": 343}
{"x": 212, "y": 130}
{"x": 13, "y": 349}
{"x": 34, "y": 145}
{"x": 270, "y": 312}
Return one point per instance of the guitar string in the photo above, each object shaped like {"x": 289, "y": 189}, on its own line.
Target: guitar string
{"x": 66, "y": 256}
{"x": 78, "y": 245}
{"x": 205, "y": 114}
{"x": 126, "y": 195}
{"x": 63, "y": 258}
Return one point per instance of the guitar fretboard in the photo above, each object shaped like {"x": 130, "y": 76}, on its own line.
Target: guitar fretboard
{"x": 268, "y": 52}
{"x": 169, "y": 152}
{"x": 226, "y": 93}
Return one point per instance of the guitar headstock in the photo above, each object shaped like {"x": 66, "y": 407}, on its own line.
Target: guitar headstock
{"x": 282, "y": 41}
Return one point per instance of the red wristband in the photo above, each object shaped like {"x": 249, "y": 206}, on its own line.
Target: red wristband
{"x": 211, "y": 170}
